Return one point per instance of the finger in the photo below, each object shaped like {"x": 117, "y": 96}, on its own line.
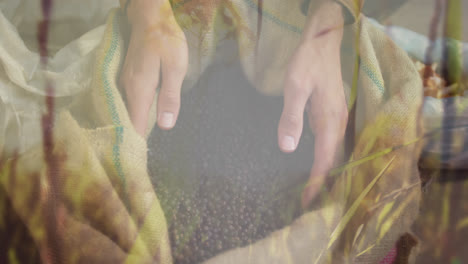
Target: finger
{"x": 312, "y": 189}
{"x": 140, "y": 78}
{"x": 323, "y": 162}
{"x": 291, "y": 122}
{"x": 174, "y": 69}
{"x": 139, "y": 103}
{"x": 329, "y": 133}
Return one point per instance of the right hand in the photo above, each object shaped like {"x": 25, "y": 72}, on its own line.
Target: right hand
{"x": 314, "y": 78}
{"x": 157, "y": 44}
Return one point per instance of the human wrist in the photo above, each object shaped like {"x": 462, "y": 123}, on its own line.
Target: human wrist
{"x": 143, "y": 14}
{"x": 325, "y": 20}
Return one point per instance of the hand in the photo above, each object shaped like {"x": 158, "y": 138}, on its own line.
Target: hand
{"x": 157, "y": 44}
{"x": 314, "y": 84}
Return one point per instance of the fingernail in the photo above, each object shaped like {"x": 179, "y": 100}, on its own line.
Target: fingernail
{"x": 166, "y": 119}
{"x": 288, "y": 143}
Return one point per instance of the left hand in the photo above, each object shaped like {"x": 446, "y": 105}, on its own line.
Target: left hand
{"x": 314, "y": 84}
{"x": 157, "y": 45}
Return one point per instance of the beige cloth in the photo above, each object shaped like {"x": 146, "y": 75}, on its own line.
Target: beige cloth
{"x": 102, "y": 191}
{"x": 83, "y": 191}
{"x": 376, "y": 200}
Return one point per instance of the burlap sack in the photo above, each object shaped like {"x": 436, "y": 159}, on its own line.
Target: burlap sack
{"x": 83, "y": 191}
{"x": 376, "y": 198}
{"x": 94, "y": 180}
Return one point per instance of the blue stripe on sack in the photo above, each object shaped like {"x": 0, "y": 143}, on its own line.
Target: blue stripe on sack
{"x": 373, "y": 76}
{"x": 111, "y": 103}
{"x": 369, "y": 72}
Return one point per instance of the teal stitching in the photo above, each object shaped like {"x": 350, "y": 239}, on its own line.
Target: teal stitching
{"x": 293, "y": 28}
{"x": 111, "y": 103}
{"x": 373, "y": 76}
